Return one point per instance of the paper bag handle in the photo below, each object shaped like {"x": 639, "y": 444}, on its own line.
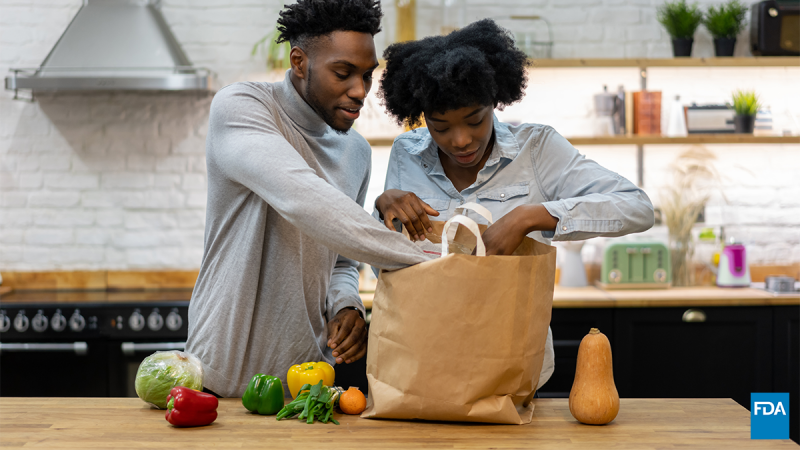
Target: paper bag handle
{"x": 472, "y": 206}
{"x": 480, "y": 249}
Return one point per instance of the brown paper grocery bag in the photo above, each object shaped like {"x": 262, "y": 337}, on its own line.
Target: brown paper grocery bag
{"x": 461, "y": 337}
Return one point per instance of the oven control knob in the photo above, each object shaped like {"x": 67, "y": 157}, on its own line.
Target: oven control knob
{"x": 5, "y": 322}
{"x": 39, "y": 322}
{"x": 136, "y": 321}
{"x": 77, "y": 322}
{"x": 21, "y": 322}
{"x": 155, "y": 321}
{"x": 58, "y": 322}
{"x": 174, "y": 320}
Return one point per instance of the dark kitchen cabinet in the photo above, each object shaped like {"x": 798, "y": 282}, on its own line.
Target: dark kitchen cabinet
{"x": 55, "y": 373}
{"x": 569, "y": 327}
{"x": 714, "y": 352}
{"x": 786, "y": 321}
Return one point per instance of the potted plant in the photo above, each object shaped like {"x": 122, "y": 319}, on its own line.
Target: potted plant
{"x": 694, "y": 179}
{"x": 724, "y": 23}
{"x": 681, "y": 21}
{"x": 746, "y": 105}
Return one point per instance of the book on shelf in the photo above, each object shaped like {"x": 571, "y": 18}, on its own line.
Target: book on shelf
{"x": 647, "y": 113}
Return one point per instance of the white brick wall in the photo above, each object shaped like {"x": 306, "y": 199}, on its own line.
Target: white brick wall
{"x": 117, "y": 180}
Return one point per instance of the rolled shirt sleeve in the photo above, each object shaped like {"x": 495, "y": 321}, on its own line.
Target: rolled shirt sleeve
{"x": 587, "y": 199}
{"x": 343, "y": 290}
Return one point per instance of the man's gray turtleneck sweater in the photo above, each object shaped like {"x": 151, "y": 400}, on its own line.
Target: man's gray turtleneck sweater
{"x": 284, "y": 226}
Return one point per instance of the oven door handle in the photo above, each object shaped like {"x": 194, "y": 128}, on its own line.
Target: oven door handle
{"x": 80, "y": 348}
{"x": 129, "y": 348}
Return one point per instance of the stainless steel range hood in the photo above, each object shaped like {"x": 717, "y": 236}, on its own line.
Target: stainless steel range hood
{"x": 114, "y": 45}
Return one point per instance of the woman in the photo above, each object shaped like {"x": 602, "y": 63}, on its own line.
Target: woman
{"x": 532, "y": 180}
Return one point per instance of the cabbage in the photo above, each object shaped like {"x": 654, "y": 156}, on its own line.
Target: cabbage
{"x": 162, "y": 371}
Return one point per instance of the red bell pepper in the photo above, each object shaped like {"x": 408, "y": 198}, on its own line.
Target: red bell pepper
{"x": 189, "y": 408}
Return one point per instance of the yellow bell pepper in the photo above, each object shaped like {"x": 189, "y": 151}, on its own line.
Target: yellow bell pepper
{"x": 309, "y": 373}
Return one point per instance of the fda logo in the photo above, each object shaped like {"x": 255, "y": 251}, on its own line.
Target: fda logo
{"x": 769, "y": 416}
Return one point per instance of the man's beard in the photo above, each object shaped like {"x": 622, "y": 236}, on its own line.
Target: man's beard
{"x": 316, "y": 105}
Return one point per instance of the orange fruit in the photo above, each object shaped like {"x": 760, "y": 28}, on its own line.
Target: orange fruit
{"x": 352, "y": 401}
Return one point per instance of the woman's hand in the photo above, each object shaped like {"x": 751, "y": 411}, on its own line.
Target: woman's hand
{"x": 505, "y": 235}
{"x": 408, "y": 209}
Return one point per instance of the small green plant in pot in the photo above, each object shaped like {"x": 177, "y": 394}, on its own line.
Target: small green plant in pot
{"x": 277, "y": 54}
{"x": 746, "y": 105}
{"x": 681, "y": 21}
{"x": 725, "y": 23}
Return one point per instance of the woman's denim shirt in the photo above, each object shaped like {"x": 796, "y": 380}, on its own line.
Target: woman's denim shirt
{"x": 529, "y": 164}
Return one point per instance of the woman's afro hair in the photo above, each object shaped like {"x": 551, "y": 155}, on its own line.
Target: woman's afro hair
{"x": 476, "y": 65}
{"x": 308, "y": 19}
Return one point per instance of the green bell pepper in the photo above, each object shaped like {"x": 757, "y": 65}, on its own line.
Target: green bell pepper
{"x": 264, "y": 394}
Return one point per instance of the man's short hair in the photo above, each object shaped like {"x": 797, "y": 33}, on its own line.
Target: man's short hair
{"x": 300, "y": 23}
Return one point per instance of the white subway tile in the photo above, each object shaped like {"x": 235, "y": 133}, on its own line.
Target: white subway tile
{"x": 10, "y": 255}
{"x": 192, "y": 181}
{"x": 71, "y": 181}
{"x": 92, "y": 236}
{"x": 13, "y": 236}
{"x": 150, "y": 220}
{"x": 172, "y": 164}
{"x": 29, "y": 180}
{"x": 59, "y": 199}
{"x": 141, "y": 162}
{"x": 62, "y": 218}
{"x": 38, "y": 256}
{"x": 127, "y": 180}
{"x": 196, "y": 199}
{"x": 14, "y": 199}
{"x": 48, "y": 236}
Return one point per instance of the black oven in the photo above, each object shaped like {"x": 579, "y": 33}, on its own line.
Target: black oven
{"x": 85, "y": 345}
{"x": 775, "y": 28}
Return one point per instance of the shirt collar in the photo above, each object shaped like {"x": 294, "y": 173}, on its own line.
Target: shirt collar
{"x": 296, "y": 108}
{"x": 505, "y": 144}
{"x": 505, "y": 147}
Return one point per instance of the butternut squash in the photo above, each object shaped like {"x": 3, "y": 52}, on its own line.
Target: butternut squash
{"x": 594, "y": 399}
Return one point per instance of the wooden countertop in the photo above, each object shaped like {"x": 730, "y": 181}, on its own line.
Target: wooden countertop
{"x": 128, "y": 422}
{"x": 97, "y": 296}
{"x": 588, "y": 297}
{"x": 593, "y": 297}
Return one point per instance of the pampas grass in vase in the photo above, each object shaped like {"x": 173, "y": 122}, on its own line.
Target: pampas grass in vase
{"x": 682, "y": 201}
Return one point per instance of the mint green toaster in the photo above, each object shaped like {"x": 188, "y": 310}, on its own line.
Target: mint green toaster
{"x": 636, "y": 265}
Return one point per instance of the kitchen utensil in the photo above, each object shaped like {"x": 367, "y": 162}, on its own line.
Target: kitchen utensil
{"x": 636, "y": 265}
{"x": 618, "y": 113}
{"x": 779, "y": 284}
{"x": 572, "y": 272}
{"x": 604, "y": 108}
{"x": 733, "y": 269}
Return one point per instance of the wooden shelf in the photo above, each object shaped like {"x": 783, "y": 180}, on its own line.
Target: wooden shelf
{"x": 763, "y": 61}
{"x": 691, "y": 139}
{"x": 656, "y": 140}
{"x": 752, "y": 61}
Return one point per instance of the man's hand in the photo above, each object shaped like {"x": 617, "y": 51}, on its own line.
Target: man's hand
{"x": 408, "y": 209}
{"x": 505, "y": 235}
{"x": 347, "y": 336}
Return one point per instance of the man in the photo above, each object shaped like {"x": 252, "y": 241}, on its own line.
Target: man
{"x": 285, "y": 222}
